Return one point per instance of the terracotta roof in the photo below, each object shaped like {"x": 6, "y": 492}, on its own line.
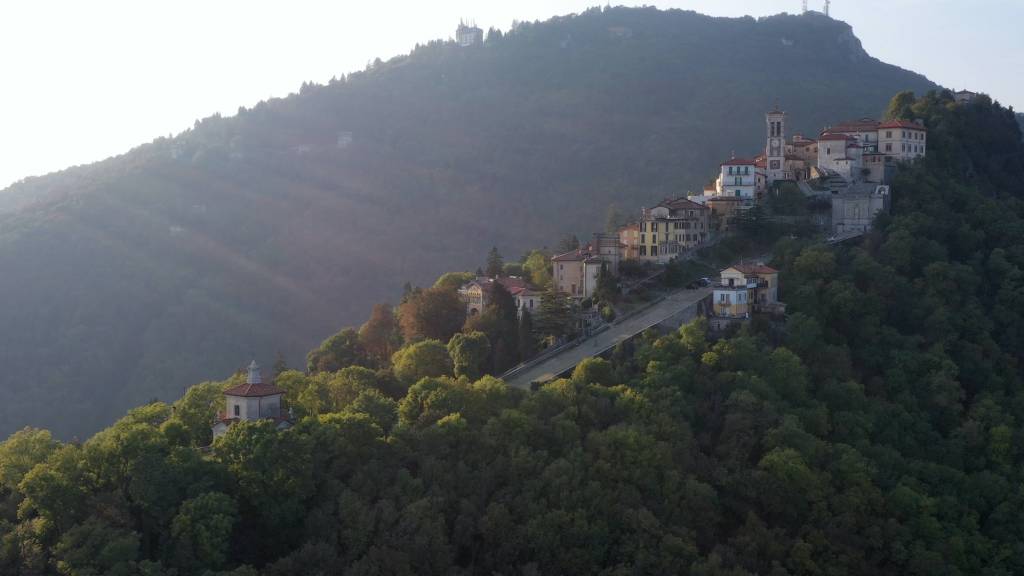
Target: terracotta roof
{"x": 513, "y": 284}
{"x": 253, "y": 390}
{"x": 680, "y": 204}
{"x": 753, "y": 269}
{"x": 904, "y": 124}
{"x": 572, "y": 256}
{"x": 738, "y": 162}
{"x": 862, "y": 125}
{"x": 832, "y": 136}
{"x": 804, "y": 143}
{"x": 761, "y": 163}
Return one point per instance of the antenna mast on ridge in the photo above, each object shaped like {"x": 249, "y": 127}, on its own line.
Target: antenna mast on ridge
{"x": 805, "y": 7}
{"x": 828, "y": 3}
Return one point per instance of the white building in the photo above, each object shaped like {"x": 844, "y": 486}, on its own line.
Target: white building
{"x": 253, "y": 400}
{"x": 902, "y": 141}
{"x": 737, "y": 178}
{"x": 840, "y": 153}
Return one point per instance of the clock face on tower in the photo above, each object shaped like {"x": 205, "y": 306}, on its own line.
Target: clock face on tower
{"x": 775, "y": 148}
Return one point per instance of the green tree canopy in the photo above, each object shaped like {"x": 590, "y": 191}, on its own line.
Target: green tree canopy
{"x": 423, "y": 359}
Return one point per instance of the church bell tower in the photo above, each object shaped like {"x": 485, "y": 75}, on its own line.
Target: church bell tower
{"x": 775, "y": 151}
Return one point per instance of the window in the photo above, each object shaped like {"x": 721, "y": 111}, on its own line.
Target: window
{"x": 654, "y": 226}
{"x": 574, "y": 289}
{"x": 643, "y": 250}
{"x": 654, "y": 250}
{"x": 531, "y": 303}
{"x": 738, "y": 194}
{"x": 888, "y": 133}
{"x": 738, "y": 181}
{"x": 561, "y": 266}
{"x": 643, "y": 238}
{"x": 746, "y": 171}
{"x": 888, "y": 147}
{"x": 238, "y": 411}
{"x": 828, "y": 150}
{"x": 691, "y": 213}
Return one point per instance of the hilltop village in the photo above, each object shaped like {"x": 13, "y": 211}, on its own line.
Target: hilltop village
{"x": 578, "y": 293}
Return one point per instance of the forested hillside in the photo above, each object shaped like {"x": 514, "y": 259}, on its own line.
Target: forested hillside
{"x": 264, "y": 232}
{"x": 879, "y": 433}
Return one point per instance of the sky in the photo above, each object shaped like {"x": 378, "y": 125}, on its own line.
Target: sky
{"x": 82, "y": 81}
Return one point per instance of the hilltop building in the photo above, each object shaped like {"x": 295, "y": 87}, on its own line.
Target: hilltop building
{"x": 745, "y": 289}
{"x": 670, "y": 228}
{"x": 964, "y": 96}
{"x": 253, "y": 400}
{"x": 476, "y": 294}
{"x": 575, "y": 272}
{"x": 738, "y": 178}
{"x": 866, "y": 150}
{"x": 468, "y": 35}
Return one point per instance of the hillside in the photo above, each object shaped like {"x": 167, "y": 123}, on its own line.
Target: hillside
{"x": 244, "y": 236}
{"x": 876, "y": 432}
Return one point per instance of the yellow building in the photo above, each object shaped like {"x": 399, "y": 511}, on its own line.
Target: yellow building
{"x": 671, "y": 228}
{"x": 745, "y": 289}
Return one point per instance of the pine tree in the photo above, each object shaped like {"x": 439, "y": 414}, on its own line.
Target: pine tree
{"x": 527, "y": 341}
{"x": 568, "y": 243}
{"x": 280, "y": 365}
{"x": 495, "y": 263}
{"x": 555, "y": 315}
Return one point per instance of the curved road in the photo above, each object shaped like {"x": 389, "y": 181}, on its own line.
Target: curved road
{"x": 677, "y": 302}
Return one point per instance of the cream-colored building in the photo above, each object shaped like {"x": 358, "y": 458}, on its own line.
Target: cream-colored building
{"x": 575, "y": 273}
{"x": 476, "y": 294}
{"x": 902, "y": 141}
{"x": 629, "y": 238}
{"x": 745, "y": 289}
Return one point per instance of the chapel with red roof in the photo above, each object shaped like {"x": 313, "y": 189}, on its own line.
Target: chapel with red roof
{"x": 252, "y": 400}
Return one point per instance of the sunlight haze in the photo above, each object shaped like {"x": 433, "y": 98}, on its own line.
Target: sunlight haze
{"x": 87, "y": 80}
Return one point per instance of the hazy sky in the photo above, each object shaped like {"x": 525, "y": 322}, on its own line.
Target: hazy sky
{"x": 84, "y": 80}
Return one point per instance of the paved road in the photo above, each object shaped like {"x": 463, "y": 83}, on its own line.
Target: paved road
{"x": 566, "y": 360}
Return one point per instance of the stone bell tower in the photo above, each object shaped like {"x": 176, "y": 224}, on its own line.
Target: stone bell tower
{"x": 775, "y": 151}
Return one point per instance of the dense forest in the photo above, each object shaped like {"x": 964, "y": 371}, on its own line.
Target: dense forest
{"x": 878, "y": 432}
{"x": 260, "y": 233}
